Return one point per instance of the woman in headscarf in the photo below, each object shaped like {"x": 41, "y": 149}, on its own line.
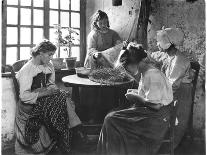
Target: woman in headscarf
{"x": 140, "y": 128}
{"x": 178, "y": 71}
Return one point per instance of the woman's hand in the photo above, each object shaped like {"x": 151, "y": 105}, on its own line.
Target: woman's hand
{"x": 47, "y": 92}
{"x": 97, "y": 55}
{"x": 125, "y": 44}
{"x": 133, "y": 97}
{"x": 132, "y": 91}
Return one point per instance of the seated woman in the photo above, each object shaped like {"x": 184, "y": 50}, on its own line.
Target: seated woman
{"x": 97, "y": 102}
{"x": 177, "y": 69}
{"x": 46, "y": 115}
{"x": 140, "y": 128}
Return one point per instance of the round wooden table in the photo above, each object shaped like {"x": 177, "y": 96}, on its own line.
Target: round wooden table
{"x": 77, "y": 82}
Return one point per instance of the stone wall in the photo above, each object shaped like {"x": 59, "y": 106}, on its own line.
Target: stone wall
{"x": 190, "y": 17}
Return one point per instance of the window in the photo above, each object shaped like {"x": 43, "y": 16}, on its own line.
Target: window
{"x": 26, "y": 22}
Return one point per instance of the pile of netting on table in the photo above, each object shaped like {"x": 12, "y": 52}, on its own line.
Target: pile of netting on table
{"x": 109, "y": 76}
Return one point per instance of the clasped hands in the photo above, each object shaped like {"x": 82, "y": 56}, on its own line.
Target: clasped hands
{"x": 132, "y": 96}
{"x": 47, "y": 91}
{"x": 98, "y": 54}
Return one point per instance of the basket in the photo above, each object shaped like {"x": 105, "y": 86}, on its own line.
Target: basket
{"x": 109, "y": 76}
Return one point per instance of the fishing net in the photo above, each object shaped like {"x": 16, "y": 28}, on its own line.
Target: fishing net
{"x": 109, "y": 76}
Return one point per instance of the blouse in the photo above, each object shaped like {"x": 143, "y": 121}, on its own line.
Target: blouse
{"x": 31, "y": 77}
{"x": 154, "y": 87}
{"x": 176, "y": 68}
{"x": 98, "y": 41}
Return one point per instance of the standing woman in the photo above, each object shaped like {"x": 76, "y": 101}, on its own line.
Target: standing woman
{"x": 178, "y": 71}
{"x": 45, "y": 114}
{"x": 99, "y": 39}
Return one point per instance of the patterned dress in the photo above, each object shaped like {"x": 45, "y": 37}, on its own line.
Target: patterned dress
{"x": 42, "y": 122}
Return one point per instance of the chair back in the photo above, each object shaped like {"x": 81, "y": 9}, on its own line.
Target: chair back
{"x": 15, "y": 82}
{"x": 18, "y": 65}
{"x": 196, "y": 67}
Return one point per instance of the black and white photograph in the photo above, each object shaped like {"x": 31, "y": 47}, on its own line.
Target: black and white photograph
{"x": 103, "y": 77}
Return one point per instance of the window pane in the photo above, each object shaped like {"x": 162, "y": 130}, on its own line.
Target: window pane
{"x": 25, "y": 17}
{"x": 38, "y": 17}
{"x": 37, "y": 35}
{"x": 11, "y": 55}
{"x": 76, "y": 52}
{"x": 75, "y": 20}
{"x": 53, "y": 36}
{"x": 26, "y": 2}
{"x": 64, "y": 19}
{"x": 63, "y": 52}
{"x": 25, "y": 53}
{"x": 38, "y": 3}
{"x": 11, "y": 35}
{"x": 64, "y": 4}
{"x": 54, "y": 4}
{"x": 76, "y": 37}
{"x": 75, "y": 5}
{"x": 12, "y": 2}
{"x": 12, "y": 15}
{"x": 53, "y": 18}
{"x": 25, "y": 37}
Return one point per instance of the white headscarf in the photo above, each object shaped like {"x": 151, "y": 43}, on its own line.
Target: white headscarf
{"x": 169, "y": 36}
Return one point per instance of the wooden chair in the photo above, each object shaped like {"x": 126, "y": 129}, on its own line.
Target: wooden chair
{"x": 195, "y": 66}
{"x": 169, "y": 137}
{"x": 10, "y": 69}
{"x": 18, "y": 65}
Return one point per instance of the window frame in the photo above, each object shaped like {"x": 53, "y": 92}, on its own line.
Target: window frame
{"x": 46, "y": 26}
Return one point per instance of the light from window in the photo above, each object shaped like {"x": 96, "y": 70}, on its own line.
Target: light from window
{"x": 11, "y": 55}
{"x": 64, "y": 4}
{"x": 53, "y": 17}
{"x": 64, "y": 19}
{"x": 37, "y": 35}
{"x": 76, "y": 52}
{"x": 25, "y": 2}
{"x": 75, "y": 5}
{"x": 63, "y": 53}
{"x": 12, "y": 35}
{"x": 25, "y": 37}
{"x": 12, "y": 15}
{"x": 52, "y": 35}
{"x": 54, "y": 4}
{"x": 38, "y": 3}
{"x": 76, "y": 37}
{"x": 25, "y": 53}
{"x": 12, "y": 2}
{"x": 75, "y": 18}
{"x": 38, "y": 17}
{"x": 25, "y": 16}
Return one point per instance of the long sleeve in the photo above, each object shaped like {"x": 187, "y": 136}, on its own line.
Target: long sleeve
{"x": 116, "y": 38}
{"x": 51, "y": 81}
{"x": 91, "y": 43}
{"x": 155, "y": 88}
{"x": 25, "y": 82}
{"x": 179, "y": 72}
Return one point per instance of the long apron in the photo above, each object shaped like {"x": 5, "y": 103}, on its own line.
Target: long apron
{"x": 136, "y": 130}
